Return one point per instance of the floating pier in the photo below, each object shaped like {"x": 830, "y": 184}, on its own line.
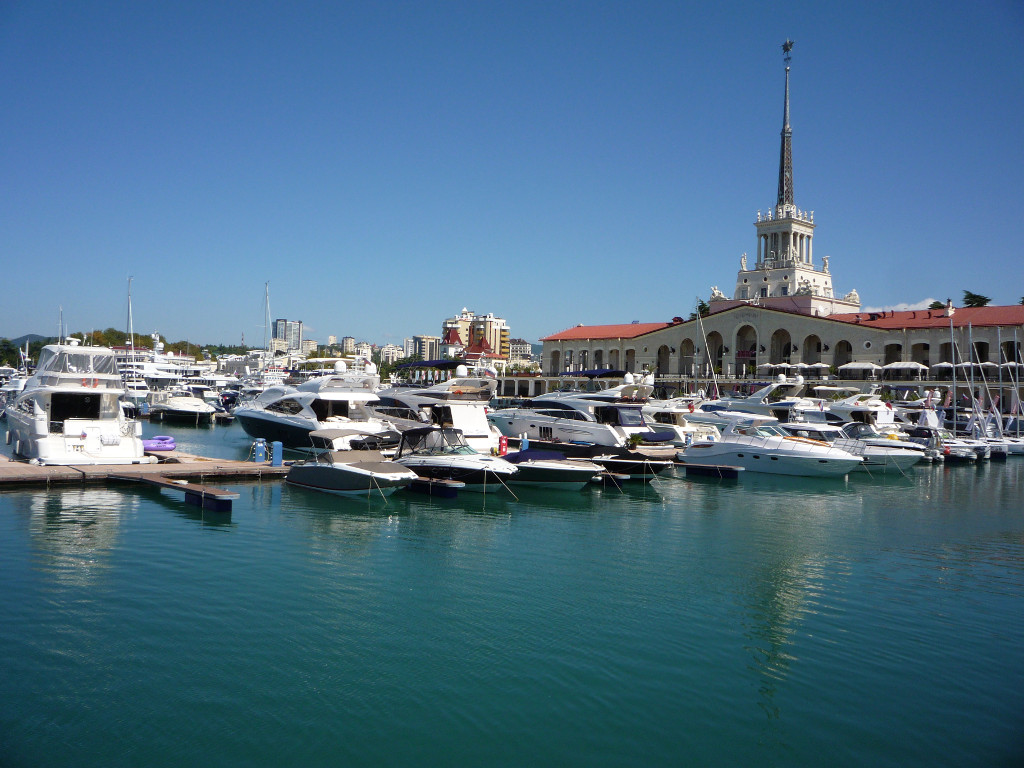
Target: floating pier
{"x": 721, "y": 471}
{"x": 215, "y": 499}
{"x": 172, "y": 465}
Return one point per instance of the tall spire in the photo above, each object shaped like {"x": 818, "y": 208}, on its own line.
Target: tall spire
{"x": 786, "y": 154}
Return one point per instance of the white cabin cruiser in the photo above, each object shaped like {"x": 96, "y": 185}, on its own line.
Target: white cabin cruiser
{"x": 782, "y": 399}
{"x": 70, "y": 412}
{"x": 288, "y": 414}
{"x": 443, "y": 454}
{"x": 181, "y": 405}
{"x": 760, "y": 445}
{"x": 880, "y": 453}
{"x": 579, "y": 417}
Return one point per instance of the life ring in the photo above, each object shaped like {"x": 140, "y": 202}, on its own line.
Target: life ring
{"x": 85, "y": 382}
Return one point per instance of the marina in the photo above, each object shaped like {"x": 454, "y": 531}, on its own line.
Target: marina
{"x": 721, "y": 622}
{"x": 774, "y": 524}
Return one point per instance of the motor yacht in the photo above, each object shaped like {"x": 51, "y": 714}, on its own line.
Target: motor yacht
{"x": 288, "y": 414}
{"x": 343, "y": 471}
{"x": 580, "y": 417}
{"x": 441, "y": 453}
{"x": 760, "y": 445}
{"x": 180, "y": 405}
{"x": 880, "y": 452}
{"x": 459, "y": 403}
{"x": 69, "y": 411}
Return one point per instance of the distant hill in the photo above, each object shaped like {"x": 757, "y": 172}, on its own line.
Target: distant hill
{"x": 29, "y": 337}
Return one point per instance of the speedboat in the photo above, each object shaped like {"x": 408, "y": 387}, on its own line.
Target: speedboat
{"x": 180, "y": 405}
{"x": 552, "y": 470}
{"x": 69, "y": 411}
{"x": 347, "y": 472}
{"x": 288, "y": 414}
{"x": 441, "y": 453}
{"x": 760, "y": 445}
{"x": 880, "y": 452}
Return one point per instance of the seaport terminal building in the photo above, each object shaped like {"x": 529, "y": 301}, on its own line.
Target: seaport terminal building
{"x": 785, "y": 316}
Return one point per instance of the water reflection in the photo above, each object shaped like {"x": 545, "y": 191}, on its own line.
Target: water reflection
{"x": 74, "y": 531}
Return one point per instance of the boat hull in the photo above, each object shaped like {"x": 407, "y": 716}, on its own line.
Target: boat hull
{"x": 347, "y": 480}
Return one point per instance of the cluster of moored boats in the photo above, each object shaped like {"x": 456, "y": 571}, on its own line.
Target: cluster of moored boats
{"x": 367, "y": 437}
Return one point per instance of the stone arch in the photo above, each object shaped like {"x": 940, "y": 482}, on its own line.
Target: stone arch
{"x": 661, "y": 369}
{"x": 811, "y": 353}
{"x": 946, "y": 352}
{"x": 630, "y": 360}
{"x": 781, "y": 347}
{"x": 598, "y": 359}
{"x": 745, "y": 347}
{"x": 556, "y": 362}
{"x": 1010, "y": 352}
{"x": 980, "y": 352}
{"x": 686, "y": 357}
{"x": 569, "y": 360}
{"x": 613, "y": 359}
{"x": 919, "y": 353}
{"x": 842, "y": 354}
{"x": 714, "y": 349}
{"x": 893, "y": 353}
{"x": 584, "y": 359}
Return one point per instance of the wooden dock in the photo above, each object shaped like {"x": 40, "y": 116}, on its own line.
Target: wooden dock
{"x": 173, "y": 465}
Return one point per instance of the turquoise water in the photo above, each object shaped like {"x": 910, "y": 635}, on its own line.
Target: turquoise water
{"x": 769, "y": 621}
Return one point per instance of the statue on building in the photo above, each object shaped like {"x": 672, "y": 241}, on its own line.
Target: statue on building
{"x": 804, "y": 287}
{"x": 716, "y": 295}
{"x": 824, "y": 264}
{"x": 853, "y": 297}
{"x": 743, "y": 262}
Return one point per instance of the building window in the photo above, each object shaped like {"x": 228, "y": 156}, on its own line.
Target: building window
{"x": 785, "y": 290}
{"x": 764, "y": 293}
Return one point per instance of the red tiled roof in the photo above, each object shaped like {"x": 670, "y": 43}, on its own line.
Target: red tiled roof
{"x": 451, "y": 336}
{"x": 936, "y": 318}
{"x": 624, "y": 331}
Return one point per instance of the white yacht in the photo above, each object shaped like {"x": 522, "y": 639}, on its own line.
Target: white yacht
{"x": 781, "y": 399}
{"x": 760, "y": 445}
{"x": 288, "y": 414}
{"x": 596, "y": 418}
{"x": 458, "y": 403}
{"x": 70, "y": 412}
{"x": 182, "y": 405}
{"x": 674, "y": 415}
{"x": 880, "y": 452}
{"x": 442, "y": 454}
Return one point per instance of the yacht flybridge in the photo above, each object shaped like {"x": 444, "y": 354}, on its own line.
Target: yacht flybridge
{"x": 70, "y": 411}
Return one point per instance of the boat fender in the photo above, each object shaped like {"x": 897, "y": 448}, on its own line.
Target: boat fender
{"x": 691, "y": 408}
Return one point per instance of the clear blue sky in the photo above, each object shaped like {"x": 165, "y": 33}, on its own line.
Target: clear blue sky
{"x": 385, "y": 164}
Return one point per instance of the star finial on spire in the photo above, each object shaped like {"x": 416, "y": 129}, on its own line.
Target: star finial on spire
{"x": 787, "y": 50}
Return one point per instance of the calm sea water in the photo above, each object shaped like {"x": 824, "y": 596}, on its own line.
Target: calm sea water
{"x": 768, "y": 621}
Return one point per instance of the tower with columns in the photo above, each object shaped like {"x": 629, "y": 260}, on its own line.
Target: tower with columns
{"x": 784, "y": 259}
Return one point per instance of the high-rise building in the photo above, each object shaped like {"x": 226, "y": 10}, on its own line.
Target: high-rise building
{"x": 427, "y": 347}
{"x": 332, "y": 341}
{"x": 476, "y": 332}
{"x": 290, "y": 332}
{"x": 348, "y": 345}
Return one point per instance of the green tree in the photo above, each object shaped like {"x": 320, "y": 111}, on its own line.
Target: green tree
{"x": 975, "y": 300}
{"x": 936, "y": 305}
{"x": 702, "y": 308}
